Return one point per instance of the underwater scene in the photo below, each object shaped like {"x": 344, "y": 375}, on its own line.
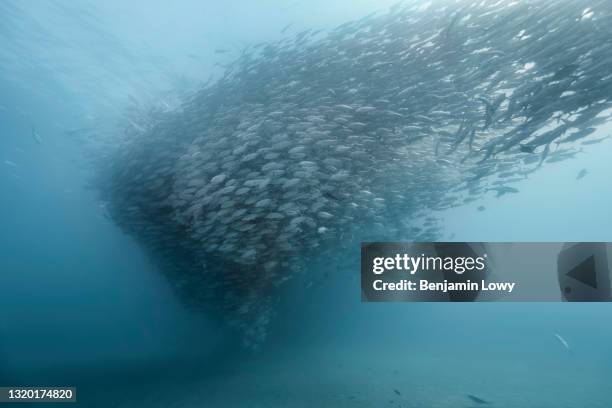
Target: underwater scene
{"x": 185, "y": 187}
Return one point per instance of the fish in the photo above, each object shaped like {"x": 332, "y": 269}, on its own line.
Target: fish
{"x": 563, "y": 342}
{"x": 503, "y": 190}
{"x": 397, "y": 392}
{"x": 595, "y": 141}
{"x": 287, "y": 27}
{"x": 476, "y": 399}
{"x": 544, "y": 154}
{"x": 581, "y": 174}
{"x": 36, "y": 136}
{"x": 527, "y": 148}
{"x": 10, "y": 163}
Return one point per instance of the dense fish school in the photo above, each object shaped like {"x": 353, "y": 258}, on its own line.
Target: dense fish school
{"x": 341, "y": 133}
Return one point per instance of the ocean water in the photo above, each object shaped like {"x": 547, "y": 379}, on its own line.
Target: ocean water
{"x": 82, "y": 304}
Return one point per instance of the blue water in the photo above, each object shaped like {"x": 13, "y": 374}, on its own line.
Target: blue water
{"x": 82, "y": 305}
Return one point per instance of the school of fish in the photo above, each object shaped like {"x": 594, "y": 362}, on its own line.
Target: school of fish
{"x": 326, "y": 135}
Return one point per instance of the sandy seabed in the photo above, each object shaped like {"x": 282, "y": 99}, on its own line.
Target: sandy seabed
{"x": 355, "y": 378}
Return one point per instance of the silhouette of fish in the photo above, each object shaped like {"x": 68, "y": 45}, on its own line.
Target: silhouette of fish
{"x": 477, "y": 400}
{"x": 581, "y": 174}
{"x": 563, "y": 342}
{"x": 36, "y": 136}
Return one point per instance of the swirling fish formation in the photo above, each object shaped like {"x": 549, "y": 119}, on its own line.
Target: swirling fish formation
{"x": 325, "y": 134}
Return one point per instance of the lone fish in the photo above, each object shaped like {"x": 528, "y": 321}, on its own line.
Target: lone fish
{"x": 563, "y": 342}
{"x": 476, "y": 399}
